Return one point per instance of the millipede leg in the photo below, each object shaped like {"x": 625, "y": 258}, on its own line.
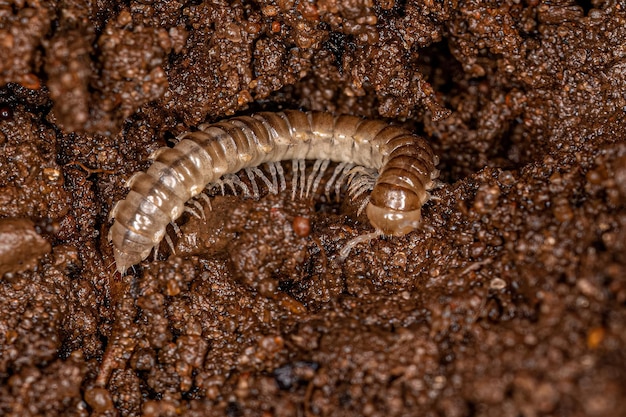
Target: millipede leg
{"x": 294, "y": 178}
{"x": 302, "y": 166}
{"x": 357, "y": 192}
{"x": 207, "y": 200}
{"x": 271, "y": 166}
{"x": 333, "y": 178}
{"x": 255, "y": 187}
{"x": 220, "y": 184}
{"x": 227, "y": 181}
{"x": 168, "y": 239}
{"x": 321, "y": 173}
{"x": 256, "y": 171}
{"x": 244, "y": 188}
{"x": 198, "y": 206}
{"x": 363, "y": 204}
{"x": 192, "y": 212}
{"x": 177, "y": 230}
{"x": 316, "y": 175}
{"x": 281, "y": 176}
{"x": 361, "y": 180}
{"x": 342, "y": 178}
{"x": 299, "y": 168}
{"x": 233, "y": 181}
{"x": 309, "y": 181}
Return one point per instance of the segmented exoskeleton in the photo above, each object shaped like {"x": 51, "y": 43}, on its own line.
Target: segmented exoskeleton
{"x": 405, "y": 164}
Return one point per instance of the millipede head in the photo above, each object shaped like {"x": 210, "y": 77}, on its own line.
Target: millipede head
{"x": 395, "y": 210}
{"x": 393, "y": 222}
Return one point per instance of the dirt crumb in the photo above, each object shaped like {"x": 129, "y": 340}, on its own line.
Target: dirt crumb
{"x": 20, "y": 245}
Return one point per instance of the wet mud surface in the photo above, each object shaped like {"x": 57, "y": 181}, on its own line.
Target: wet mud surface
{"x": 510, "y": 301}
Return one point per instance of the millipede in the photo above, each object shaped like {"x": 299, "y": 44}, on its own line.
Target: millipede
{"x": 397, "y": 166}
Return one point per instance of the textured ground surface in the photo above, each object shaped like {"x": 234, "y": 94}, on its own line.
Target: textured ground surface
{"x": 512, "y": 302}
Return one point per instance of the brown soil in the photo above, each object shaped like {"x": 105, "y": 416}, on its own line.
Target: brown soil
{"x": 510, "y": 302}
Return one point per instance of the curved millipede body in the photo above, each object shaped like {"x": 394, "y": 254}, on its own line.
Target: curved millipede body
{"x": 405, "y": 164}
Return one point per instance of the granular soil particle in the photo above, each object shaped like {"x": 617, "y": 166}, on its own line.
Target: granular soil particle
{"x": 20, "y": 245}
{"x": 510, "y": 301}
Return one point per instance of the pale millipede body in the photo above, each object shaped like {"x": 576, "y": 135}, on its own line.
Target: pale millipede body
{"x": 404, "y": 162}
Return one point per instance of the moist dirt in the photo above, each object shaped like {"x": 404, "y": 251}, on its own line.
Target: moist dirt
{"x": 509, "y": 301}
